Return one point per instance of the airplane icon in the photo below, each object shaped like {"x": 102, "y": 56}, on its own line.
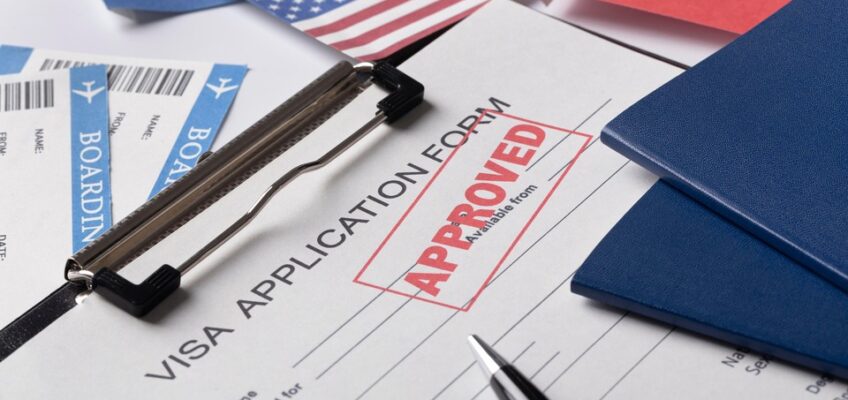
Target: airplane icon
{"x": 89, "y": 93}
{"x": 222, "y": 87}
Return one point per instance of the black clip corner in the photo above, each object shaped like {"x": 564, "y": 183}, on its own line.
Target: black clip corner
{"x": 139, "y": 299}
{"x": 407, "y": 93}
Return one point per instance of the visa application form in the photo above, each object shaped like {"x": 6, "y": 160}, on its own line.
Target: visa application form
{"x": 360, "y": 282}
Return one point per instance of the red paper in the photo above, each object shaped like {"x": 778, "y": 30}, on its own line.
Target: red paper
{"x": 736, "y": 16}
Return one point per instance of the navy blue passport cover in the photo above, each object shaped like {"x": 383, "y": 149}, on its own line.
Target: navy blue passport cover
{"x": 672, "y": 259}
{"x": 759, "y": 133}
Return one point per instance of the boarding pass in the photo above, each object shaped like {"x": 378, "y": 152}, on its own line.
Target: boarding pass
{"x": 164, "y": 114}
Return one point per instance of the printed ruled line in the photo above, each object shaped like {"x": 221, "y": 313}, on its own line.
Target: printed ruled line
{"x": 637, "y": 363}
{"x": 364, "y": 337}
{"x": 544, "y": 365}
{"x": 511, "y": 362}
{"x": 456, "y": 378}
{"x": 392, "y": 368}
{"x": 523, "y": 351}
{"x": 454, "y": 313}
{"x": 347, "y": 321}
{"x": 568, "y": 135}
{"x": 573, "y": 362}
{"x": 572, "y": 160}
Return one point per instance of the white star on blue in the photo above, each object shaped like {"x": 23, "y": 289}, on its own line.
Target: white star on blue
{"x": 298, "y": 10}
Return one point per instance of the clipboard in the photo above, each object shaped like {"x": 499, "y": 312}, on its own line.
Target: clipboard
{"x": 95, "y": 269}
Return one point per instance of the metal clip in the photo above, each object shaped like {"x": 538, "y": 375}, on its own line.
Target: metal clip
{"x": 97, "y": 265}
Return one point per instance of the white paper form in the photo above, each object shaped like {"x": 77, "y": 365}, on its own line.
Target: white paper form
{"x": 56, "y": 192}
{"x": 164, "y": 113}
{"x": 276, "y": 314}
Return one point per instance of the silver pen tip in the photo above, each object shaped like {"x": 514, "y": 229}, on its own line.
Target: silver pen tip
{"x": 488, "y": 360}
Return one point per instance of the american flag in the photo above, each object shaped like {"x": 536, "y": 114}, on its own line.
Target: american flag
{"x": 369, "y": 29}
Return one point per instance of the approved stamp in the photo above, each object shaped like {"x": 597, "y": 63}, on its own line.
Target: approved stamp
{"x": 457, "y": 233}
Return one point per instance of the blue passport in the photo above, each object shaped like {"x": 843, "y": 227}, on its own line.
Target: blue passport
{"x": 694, "y": 269}
{"x": 759, "y": 134}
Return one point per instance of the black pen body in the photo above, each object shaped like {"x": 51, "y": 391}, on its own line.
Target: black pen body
{"x": 509, "y": 384}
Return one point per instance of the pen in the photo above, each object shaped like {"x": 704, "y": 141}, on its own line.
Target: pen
{"x": 507, "y": 382}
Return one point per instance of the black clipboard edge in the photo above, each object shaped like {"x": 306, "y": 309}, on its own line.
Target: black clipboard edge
{"x": 37, "y": 318}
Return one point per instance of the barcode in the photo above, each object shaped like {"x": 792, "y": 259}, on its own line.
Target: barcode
{"x": 28, "y": 95}
{"x": 135, "y": 79}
